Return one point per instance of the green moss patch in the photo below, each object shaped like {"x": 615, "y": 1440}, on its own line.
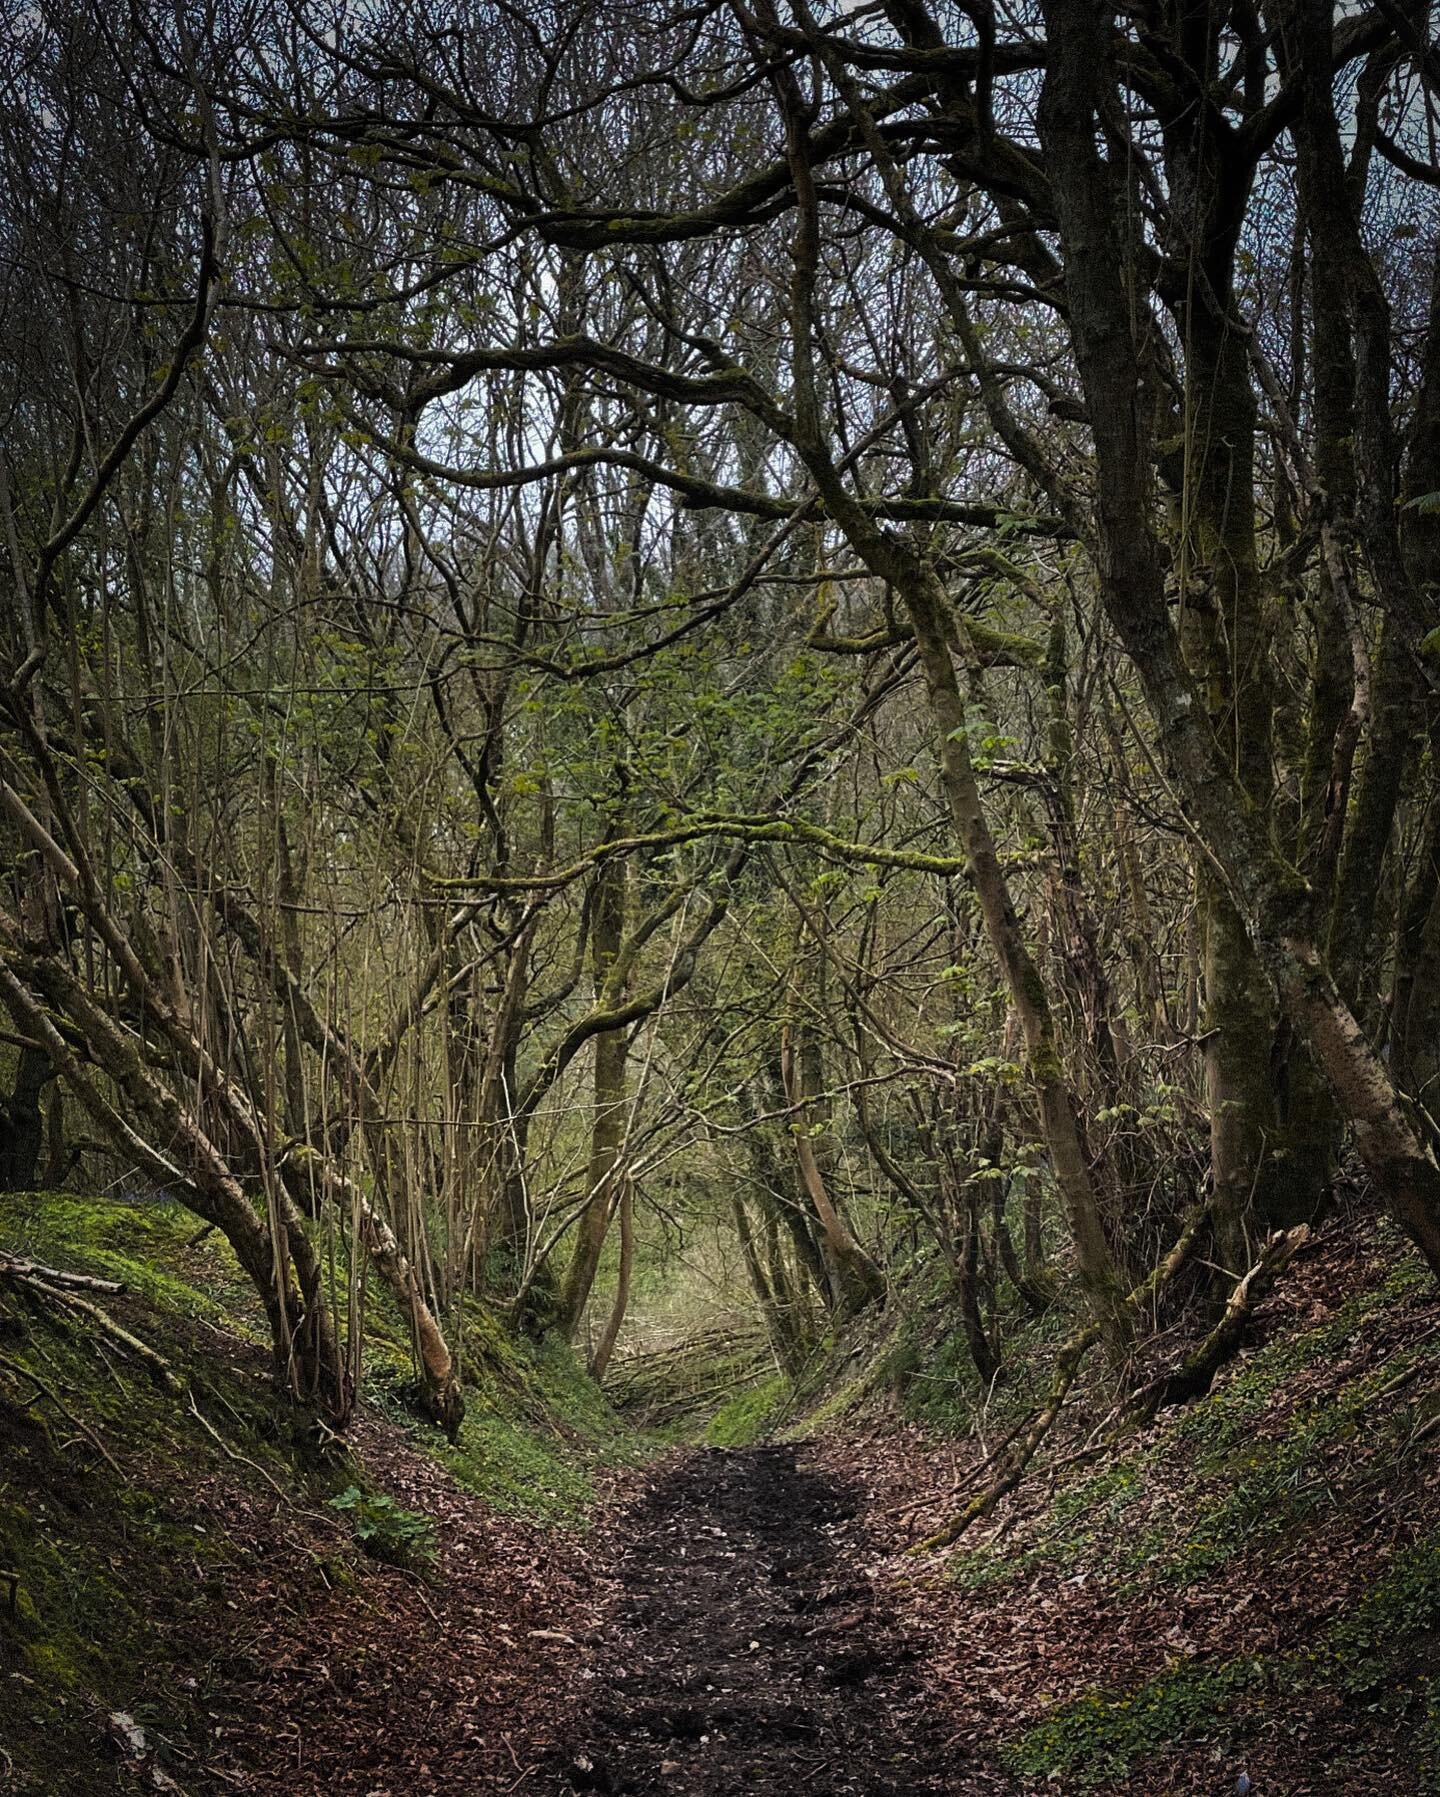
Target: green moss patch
{"x": 749, "y": 1414}
{"x": 149, "y": 1246}
{"x": 123, "y": 1517}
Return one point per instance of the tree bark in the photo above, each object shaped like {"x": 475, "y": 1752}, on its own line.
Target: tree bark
{"x": 1269, "y": 895}
{"x": 22, "y": 1123}
{"x": 607, "y": 1129}
{"x": 1095, "y": 1261}
{"x": 859, "y": 1280}
{"x": 600, "y": 1359}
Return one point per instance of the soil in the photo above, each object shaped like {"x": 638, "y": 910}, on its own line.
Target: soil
{"x": 750, "y": 1620}
{"x": 743, "y": 1646}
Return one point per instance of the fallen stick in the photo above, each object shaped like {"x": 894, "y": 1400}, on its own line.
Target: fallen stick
{"x": 28, "y": 1271}
{"x": 1066, "y": 1369}
{"x": 1067, "y": 1365}
{"x": 1196, "y": 1372}
{"x": 155, "y": 1364}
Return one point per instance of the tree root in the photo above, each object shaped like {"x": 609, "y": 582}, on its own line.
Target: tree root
{"x": 1196, "y": 1373}
{"x": 1191, "y": 1379}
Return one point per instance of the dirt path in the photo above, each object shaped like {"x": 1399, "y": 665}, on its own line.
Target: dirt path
{"x": 743, "y": 1649}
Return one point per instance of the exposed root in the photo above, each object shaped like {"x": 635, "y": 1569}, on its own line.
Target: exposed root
{"x": 1196, "y": 1373}
{"x": 28, "y": 1272}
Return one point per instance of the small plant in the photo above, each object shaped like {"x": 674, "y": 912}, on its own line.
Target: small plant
{"x": 386, "y": 1530}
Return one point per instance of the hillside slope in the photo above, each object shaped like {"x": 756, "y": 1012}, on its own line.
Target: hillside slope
{"x": 1249, "y": 1588}
{"x": 205, "y": 1599}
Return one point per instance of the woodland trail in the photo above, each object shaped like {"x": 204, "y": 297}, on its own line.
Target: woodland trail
{"x": 745, "y": 1649}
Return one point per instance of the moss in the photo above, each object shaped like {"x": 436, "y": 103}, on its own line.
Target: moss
{"x": 942, "y": 1389}
{"x": 845, "y": 1399}
{"x": 516, "y": 1471}
{"x": 124, "y": 1575}
{"x": 121, "y": 1566}
{"x": 536, "y": 1425}
{"x": 147, "y": 1245}
{"x": 49, "y": 1662}
{"x": 749, "y": 1414}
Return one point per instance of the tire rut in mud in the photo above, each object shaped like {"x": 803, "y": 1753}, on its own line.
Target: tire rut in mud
{"x": 746, "y": 1650}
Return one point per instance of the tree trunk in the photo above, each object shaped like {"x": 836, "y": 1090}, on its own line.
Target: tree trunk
{"x": 859, "y": 1280}
{"x": 22, "y": 1123}
{"x": 1094, "y": 1259}
{"x": 1273, "y": 901}
{"x": 600, "y": 1359}
{"x": 607, "y": 1129}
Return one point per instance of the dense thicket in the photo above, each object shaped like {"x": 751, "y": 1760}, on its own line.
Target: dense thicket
{"x": 822, "y": 619}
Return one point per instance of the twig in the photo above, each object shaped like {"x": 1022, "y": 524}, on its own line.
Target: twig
{"x": 155, "y": 1364}
{"x": 231, "y": 1453}
{"x": 24, "y": 1372}
{"x": 28, "y": 1271}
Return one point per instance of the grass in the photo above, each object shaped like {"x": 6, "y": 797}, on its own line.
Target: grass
{"x": 749, "y": 1414}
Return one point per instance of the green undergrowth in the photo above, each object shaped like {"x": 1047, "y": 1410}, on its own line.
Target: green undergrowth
{"x": 1263, "y": 1456}
{"x": 749, "y": 1415}
{"x": 1285, "y": 1463}
{"x": 910, "y": 1360}
{"x": 698, "y": 1384}
{"x": 536, "y": 1425}
{"x": 1378, "y": 1657}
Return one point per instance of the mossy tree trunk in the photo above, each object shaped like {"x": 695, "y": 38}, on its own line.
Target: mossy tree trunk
{"x": 22, "y": 1122}
{"x": 609, "y": 1093}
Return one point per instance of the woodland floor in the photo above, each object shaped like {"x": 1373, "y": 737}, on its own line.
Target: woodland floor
{"x": 745, "y": 1648}
{"x": 1250, "y": 1592}
{"x": 1247, "y": 1591}
{"x": 723, "y": 1633}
